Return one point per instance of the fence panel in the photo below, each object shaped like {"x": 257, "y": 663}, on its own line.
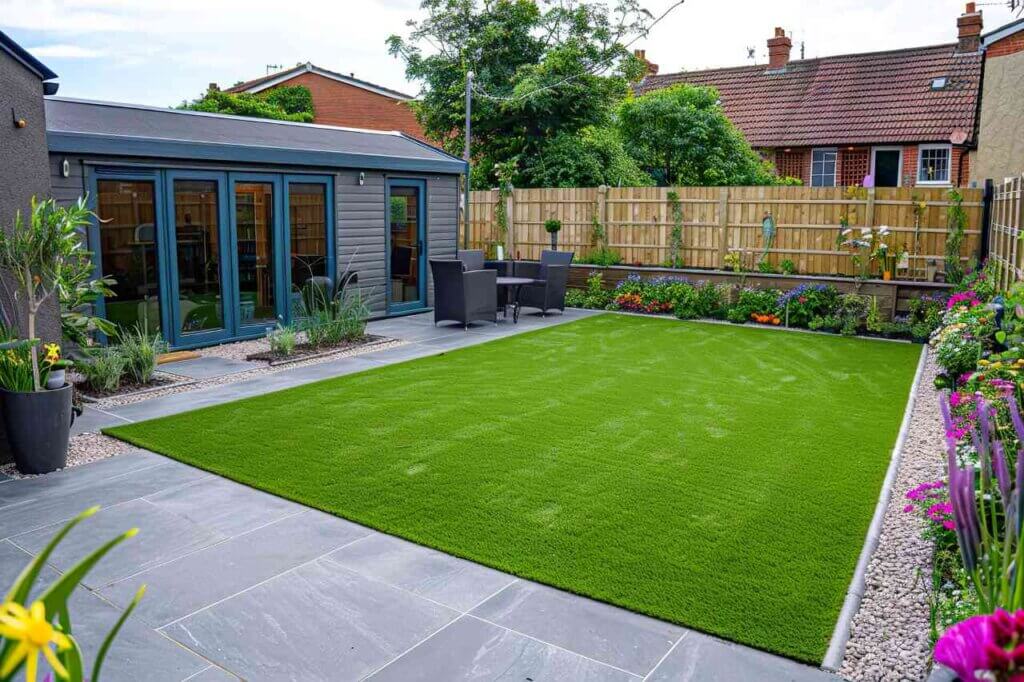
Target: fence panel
{"x": 1005, "y": 230}
{"x": 638, "y": 222}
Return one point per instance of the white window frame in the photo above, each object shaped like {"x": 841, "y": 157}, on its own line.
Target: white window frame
{"x": 899, "y": 176}
{"x": 949, "y": 165}
{"x": 835, "y": 165}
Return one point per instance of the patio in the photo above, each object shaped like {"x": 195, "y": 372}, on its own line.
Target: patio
{"x": 242, "y": 583}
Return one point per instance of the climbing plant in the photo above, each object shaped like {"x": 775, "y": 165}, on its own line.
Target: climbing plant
{"x": 956, "y": 225}
{"x": 676, "y": 240}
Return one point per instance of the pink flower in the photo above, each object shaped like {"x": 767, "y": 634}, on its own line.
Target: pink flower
{"x": 962, "y": 647}
{"x": 909, "y": 508}
{"x": 954, "y": 399}
{"x": 949, "y": 525}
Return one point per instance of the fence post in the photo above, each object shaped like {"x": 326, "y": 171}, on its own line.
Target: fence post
{"x": 510, "y": 234}
{"x": 869, "y": 212}
{"x": 723, "y": 225}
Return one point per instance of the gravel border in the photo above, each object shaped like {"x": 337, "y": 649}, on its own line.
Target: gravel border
{"x": 237, "y": 351}
{"x": 889, "y": 638}
{"x": 82, "y": 449}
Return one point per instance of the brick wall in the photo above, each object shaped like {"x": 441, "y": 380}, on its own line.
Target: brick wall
{"x": 852, "y": 164}
{"x": 1009, "y": 45}
{"x": 341, "y": 104}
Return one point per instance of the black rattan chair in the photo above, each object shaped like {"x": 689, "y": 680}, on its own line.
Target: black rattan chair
{"x": 472, "y": 259}
{"x": 461, "y": 296}
{"x": 552, "y": 275}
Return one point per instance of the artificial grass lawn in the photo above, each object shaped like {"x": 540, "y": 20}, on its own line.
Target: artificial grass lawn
{"x": 720, "y": 477}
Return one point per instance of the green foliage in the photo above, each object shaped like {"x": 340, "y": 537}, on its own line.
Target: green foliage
{"x": 140, "y": 349}
{"x": 588, "y": 158}
{"x": 552, "y": 225}
{"x": 49, "y": 614}
{"x": 751, "y": 302}
{"x": 543, "y": 71}
{"x": 294, "y": 103}
{"x": 332, "y": 320}
{"x": 765, "y": 266}
{"x": 788, "y": 267}
{"x": 873, "y": 322}
{"x": 16, "y": 364}
{"x": 852, "y": 313}
{"x": 102, "y": 368}
{"x": 78, "y": 291}
{"x": 282, "y": 339}
{"x": 595, "y": 296}
{"x": 704, "y": 299}
{"x": 956, "y": 224}
{"x": 601, "y": 256}
{"x": 35, "y": 255}
{"x": 676, "y": 237}
{"x": 681, "y": 136}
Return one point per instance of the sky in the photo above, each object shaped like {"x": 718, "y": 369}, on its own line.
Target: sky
{"x": 161, "y": 52}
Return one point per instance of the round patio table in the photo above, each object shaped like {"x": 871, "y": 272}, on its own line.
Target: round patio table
{"x": 514, "y": 283}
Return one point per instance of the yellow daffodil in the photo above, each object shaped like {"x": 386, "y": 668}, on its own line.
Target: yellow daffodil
{"x": 33, "y": 633}
{"x": 52, "y": 352}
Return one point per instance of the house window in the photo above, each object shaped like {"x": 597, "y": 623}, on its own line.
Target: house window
{"x": 823, "y": 168}
{"x": 933, "y": 161}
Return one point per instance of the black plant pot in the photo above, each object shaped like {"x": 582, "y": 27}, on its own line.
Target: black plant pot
{"x": 38, "y": 426}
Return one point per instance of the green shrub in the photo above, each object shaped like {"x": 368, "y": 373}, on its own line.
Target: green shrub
{"x": 342, "y": 318}
{"x": 765, "y": 266}
{"x": 102, "y": 368}
{"x": 852, "y": 313}
{"x": 704, "y": 299}
{"x": 282, "y": 339}
{"x": 788, "y": 267}
{"x": 602, "y": 256}
{"x": 595, "y": 296}
{"x": 825, "y": 323}
{"x": 754, "y": 301}
{"x": 803, "y": 303}
{"x": 139, "y": 349}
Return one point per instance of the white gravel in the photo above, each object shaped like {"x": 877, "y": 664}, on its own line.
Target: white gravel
{"x": 889, "y": 635}
{"x": 82, "y": 449}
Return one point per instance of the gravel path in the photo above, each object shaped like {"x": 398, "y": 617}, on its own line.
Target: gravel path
{"x": 82, "y": 449}
{"x": 889, "y": 639}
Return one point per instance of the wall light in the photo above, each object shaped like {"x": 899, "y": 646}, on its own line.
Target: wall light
{"x": 18, "y": 121}
{"x": 362, "y": 178}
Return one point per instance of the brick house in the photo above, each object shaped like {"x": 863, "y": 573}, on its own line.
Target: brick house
{"x": 341, "y": 100}
{"x": 898, "y": 118}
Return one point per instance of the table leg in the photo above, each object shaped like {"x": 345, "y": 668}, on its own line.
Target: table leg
{"x": 515, "y": 306}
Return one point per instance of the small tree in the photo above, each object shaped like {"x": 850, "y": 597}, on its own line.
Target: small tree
{"x": 33, "y": 255}
{"x": 552, "y": 226}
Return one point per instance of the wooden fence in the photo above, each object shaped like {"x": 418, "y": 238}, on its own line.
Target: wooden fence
{"x": 716, "y": 220}
{"x": 1005, "y": 230}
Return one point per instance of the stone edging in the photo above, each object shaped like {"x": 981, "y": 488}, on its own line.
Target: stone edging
{"x": 851, "y": 604}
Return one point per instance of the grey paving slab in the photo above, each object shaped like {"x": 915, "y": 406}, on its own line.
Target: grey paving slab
{"x": 225, "y": 506}
{"x": 604, "y": 633}
{"x": 470, "y": 649}
{"x": 184, "y": 586}
{"x": 208, "y": 367}
{"x": 699, "y": 658}
{"x": 61, "y": 482}
{"x": 318, "y": 622}
{"x": 54, "y": 508}
{"x": 441, "y": 577}
{"x": 162, "y": 536}
{"x": 139, "y": 653}
{"x": 93, "y": 420}
{"x": 4, "y": 477}
{"x": 213, "y": 674}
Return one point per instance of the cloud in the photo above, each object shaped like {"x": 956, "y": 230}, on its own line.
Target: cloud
{"x": 63, "y": 51}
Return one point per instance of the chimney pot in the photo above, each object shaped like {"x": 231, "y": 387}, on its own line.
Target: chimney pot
{"x": 652, "y": 69}
{"x": 779, "y": 47}
{"x": 969, "y": 25}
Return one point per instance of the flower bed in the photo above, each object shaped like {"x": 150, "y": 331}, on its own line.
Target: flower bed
{"x": 815, "y": 306}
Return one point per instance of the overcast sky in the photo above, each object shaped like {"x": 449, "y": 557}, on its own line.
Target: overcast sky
{"x": 163, "y": 51}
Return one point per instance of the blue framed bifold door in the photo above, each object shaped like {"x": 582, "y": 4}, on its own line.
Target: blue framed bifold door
{"x": 260, "y": 291}
{"x": 128, "y": 247}
{"x": 200, "y": 292}
{"x": 406, "y": 236}
{"x": 308, "y": 236}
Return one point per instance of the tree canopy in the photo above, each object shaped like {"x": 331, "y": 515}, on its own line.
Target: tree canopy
{"x": 681, "y": 136}
{"x": 543, "y": 71}
{"x": 289, "y": 103}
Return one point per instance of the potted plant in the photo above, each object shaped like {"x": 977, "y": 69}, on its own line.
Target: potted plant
{"x": 57, "y": 367}
{"x": 553, "y": 225}
{"x": 32, "y": 255}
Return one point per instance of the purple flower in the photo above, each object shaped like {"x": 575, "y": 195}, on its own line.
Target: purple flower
{"x": 909, "y": 508}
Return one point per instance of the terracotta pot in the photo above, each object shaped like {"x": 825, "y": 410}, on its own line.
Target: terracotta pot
{"x": 887, "y": 275}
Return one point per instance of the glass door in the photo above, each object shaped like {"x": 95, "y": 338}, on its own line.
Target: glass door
{"x": 406, "y": 235}
{"x": 259, "y": 289}
{"x": 200, "y": 266}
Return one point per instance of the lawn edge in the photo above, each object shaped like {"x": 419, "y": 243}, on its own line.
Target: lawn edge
{"x": 851, "y": 604}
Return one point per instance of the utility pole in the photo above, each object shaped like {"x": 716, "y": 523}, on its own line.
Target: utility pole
{"x": 465, "y": 157}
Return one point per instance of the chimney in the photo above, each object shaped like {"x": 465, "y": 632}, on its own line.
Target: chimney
{"x": 213, "y": 87}
{"x": 778, "y": 49}
{"x": 968, "y": 26}
{"x": 652, "y": 69}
